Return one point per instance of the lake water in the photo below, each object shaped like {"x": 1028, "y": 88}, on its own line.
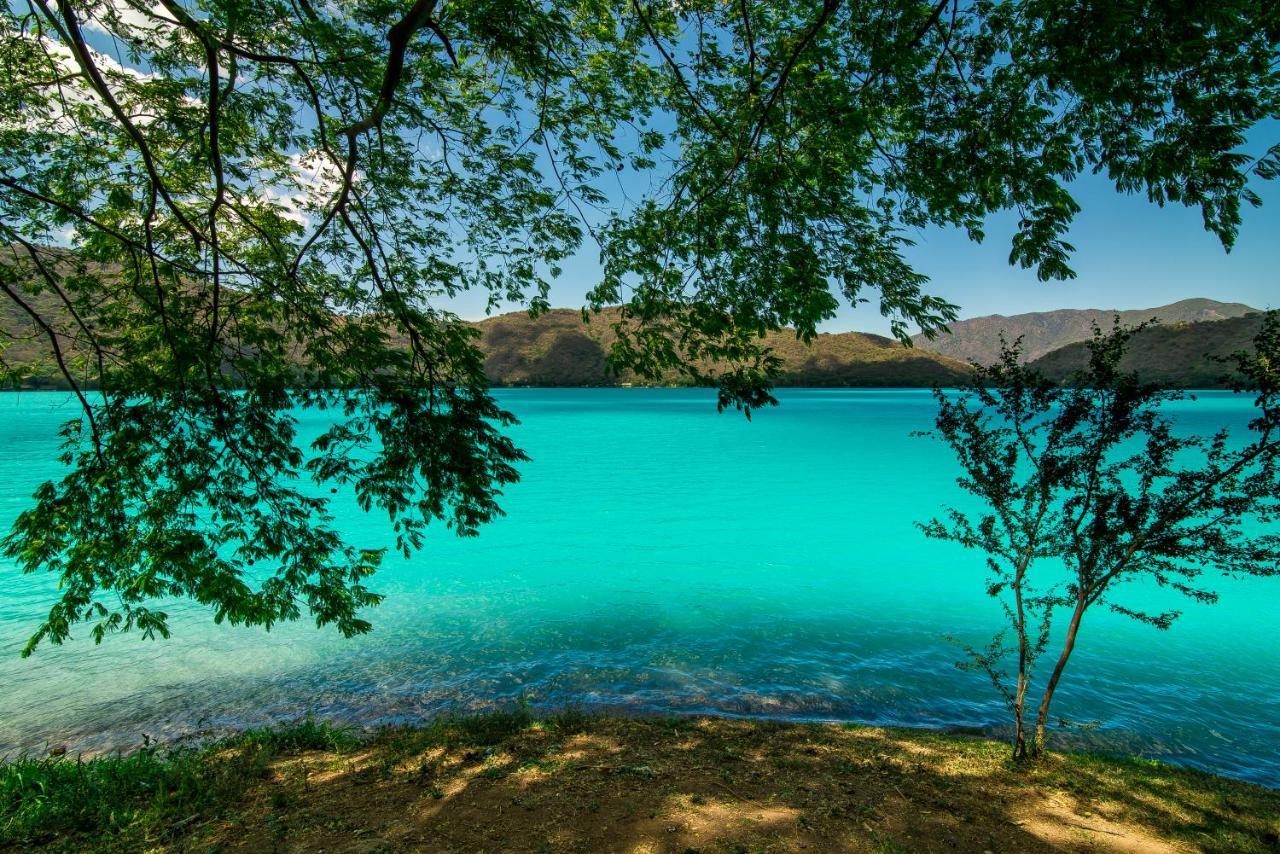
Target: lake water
{"x": 659, "y": 557}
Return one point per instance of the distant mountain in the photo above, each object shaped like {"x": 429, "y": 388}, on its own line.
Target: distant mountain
{"x": 23, "y": 344}
{"x": 978, "y": 339}
{"x": 558, "y": 349}
{"x": 1175, "y": 355}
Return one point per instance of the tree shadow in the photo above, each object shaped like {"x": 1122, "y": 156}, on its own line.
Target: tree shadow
{"x": 579, "y": 783}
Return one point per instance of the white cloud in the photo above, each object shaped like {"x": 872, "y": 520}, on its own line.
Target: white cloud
{"x": 71, "y": 90}
{"x": 121, "y": 17}
{"x": 310, "y": 182}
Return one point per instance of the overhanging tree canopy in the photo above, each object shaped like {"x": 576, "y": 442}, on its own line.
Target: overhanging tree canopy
{"x": 217, "y": 212}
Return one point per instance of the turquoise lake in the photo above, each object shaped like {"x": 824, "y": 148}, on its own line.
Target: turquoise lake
{"x": 658, "y": 557}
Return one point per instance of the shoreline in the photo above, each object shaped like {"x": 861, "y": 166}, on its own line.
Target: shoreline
{"x": 1109, "y": 743}
{"x": 639, "y": 387}
{"x": 521, "y": 781}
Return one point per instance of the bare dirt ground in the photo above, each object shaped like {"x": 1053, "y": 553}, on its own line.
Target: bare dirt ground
{"x": 716, "y": 785}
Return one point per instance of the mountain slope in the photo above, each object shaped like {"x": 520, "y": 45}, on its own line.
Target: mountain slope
{"x": 978, "y": 338}
{"x": 1175, "y": 355}
{"x": 556, "y": 348}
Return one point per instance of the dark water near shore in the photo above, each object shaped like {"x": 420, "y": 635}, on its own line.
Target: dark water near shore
{"x": 658, "y": 557}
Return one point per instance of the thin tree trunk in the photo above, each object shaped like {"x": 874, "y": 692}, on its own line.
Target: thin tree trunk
{"x": 1019, "y": 700}
{"x": 1020, "y": 752}
{"x": 1042, "y": 717}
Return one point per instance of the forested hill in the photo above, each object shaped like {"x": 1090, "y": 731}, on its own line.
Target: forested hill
{"x": 978, "y": 339}
{"x": 556, "y": 348}
{"x": 1175, "y": 355}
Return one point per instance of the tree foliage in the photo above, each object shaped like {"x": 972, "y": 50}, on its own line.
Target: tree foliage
{"x": 219, "y": 213}
{"x": 1090, "y": 486}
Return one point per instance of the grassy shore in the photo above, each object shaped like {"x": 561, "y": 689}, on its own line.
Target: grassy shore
{"x": 512, "y": 782}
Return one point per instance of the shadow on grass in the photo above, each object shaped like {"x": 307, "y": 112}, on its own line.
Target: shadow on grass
{"x": 510, "y": 782}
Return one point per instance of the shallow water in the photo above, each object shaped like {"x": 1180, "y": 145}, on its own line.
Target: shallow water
{"x": 660, "y": 557}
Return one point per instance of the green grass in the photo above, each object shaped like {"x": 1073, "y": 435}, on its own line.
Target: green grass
{"x": 155, "y": 793}
{"x": 306, "y": 735}
{"x": 148, "y": 794}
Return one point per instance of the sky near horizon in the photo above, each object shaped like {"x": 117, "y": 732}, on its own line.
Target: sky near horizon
{"x": 1129, "y": 254}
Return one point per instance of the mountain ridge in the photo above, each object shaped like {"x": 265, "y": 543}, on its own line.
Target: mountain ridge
{"x": 978, "y": 338}
{"x": 1173, "y": 355}
{"x": 557, "y": 348}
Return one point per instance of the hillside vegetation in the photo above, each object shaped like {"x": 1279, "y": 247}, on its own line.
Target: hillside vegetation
{"x": 978, "y": 339}
{"x": 24, "y": 347}
{"x": 558, "y": 349}
{"x": 1173, "y": 355}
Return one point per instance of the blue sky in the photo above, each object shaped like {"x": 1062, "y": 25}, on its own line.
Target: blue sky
{"x": 1129, "y": 254}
